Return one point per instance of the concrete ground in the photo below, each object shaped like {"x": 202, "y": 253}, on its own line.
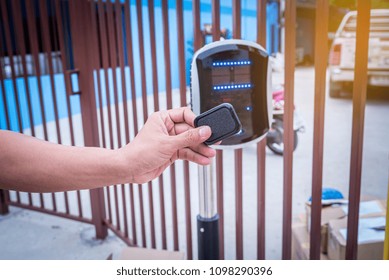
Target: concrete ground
{"x": 30, "y": 235}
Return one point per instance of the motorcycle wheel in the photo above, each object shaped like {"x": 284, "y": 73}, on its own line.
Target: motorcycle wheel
{"x": 276, "y": 141}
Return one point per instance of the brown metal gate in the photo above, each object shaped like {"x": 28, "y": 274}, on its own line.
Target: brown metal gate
{"x": 96, "y": 44}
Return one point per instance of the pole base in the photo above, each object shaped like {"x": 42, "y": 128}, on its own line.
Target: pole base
{"x": 208, "y": 237}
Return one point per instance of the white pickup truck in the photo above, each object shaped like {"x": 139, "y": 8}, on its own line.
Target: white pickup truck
{"x": 342, "y": 53}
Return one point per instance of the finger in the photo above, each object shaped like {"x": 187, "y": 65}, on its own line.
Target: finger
{"x": 182, "y": 115}
{"x": 191, "y": 138}
{"x": 180, "y": 128}
{"x": 188, "y": 154}
{"x": 204, "y": 150}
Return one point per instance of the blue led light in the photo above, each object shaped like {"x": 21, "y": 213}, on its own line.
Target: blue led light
{"x": 232, "y": 87}
{"x": 231, "y": 63}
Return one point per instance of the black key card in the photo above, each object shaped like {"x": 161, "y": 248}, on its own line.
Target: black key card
{"x": 222, "y": 119}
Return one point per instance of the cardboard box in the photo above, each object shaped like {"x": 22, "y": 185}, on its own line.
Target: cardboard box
{"x": 136, "y": 253}
{"x": 328, "y": 213}
{"x": 371, "y": 208}
{"x": 300, "y": 242}
{"x": 370, "y": 241}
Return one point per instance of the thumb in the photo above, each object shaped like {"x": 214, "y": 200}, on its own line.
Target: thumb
{"x": 192, "y": 137}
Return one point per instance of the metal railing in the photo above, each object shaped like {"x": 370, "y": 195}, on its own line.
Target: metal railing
{"x": 102, "y": 51}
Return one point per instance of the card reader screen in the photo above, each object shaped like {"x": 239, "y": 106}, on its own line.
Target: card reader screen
{"x": 231, "y": 74}
{"x": 237, "y": 75}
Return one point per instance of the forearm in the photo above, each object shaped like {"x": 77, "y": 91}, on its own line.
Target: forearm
{"x": 33, "y": 165}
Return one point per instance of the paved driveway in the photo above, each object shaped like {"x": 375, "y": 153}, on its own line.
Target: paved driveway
{"x": 337, "y": 148}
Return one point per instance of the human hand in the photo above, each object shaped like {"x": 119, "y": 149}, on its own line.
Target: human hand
{"x": 165, "y": 137}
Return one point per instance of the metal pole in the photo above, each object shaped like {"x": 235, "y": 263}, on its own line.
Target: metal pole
{"x": 3, "y": 203}
{"x": 208, "y": 219}
{"x": 359, "y": 103}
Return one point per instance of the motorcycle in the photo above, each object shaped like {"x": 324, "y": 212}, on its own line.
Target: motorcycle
{"x": 275, "y": 136}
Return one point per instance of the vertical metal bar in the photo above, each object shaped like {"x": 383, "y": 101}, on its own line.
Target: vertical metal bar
{"x": 33, "y": 38}
{"x": 142, "y": 216}
{"x": 53, "y": 25}
{"x": 67, "y": 86}
{"x": 144, "y": 99}
{"x": 8, "y": 125}
{"x": 105, "y": 59}
{"x": 120, "y": 42}
{"x": 47, "y": 48}
{"x": 261, "y": 147}
{"x": 261, "y": 191}
{"x": 196, "y": 24}
{"x": 239, "y": 204}
{"x": 261, "y": 22}
{"x": 215, "y": 20}
{"x": 236, "y": 19}
{"x": 165, "y": 18}
{"x": 4, "y": 95}
{"x": 290, "y": 46}
{"x": 124, "y": 203}
{"x": 113, "y": 63}
{"x": 10, "y": 52}
{"x": 133, "y": 221}
{"x": 119, "y": 36}
{"x": 77, "y": 36}
{"x": 156, "y": 108}
{"x": 151, "y": 211}
{"x": 142, "y": 58}
{"x": 133, "y": 100}
{"x": 83, "y": 56}
{"x": 153, "y": 49}
{"x": 181, "y": 59}
{"x": 3, "y": 203}
{"x": 220, "y": 200}
{"x": 219, "y": 153}
{"x": 104, "y": 54}
{"x": 131, "y": 63}
{"x": 359, "y": 104}
{"x": 19, "y": 33}
{"x": 321, "y": 29}
{"x": 97, "y": 65}
{"x": 79, "y": 204}
{"x": 55, "y": 47}
{"x": 236, "y": 22}
{"x": 108, "y": 192}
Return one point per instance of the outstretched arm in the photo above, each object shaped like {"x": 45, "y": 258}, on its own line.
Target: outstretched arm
{"x": 33, "y": 165}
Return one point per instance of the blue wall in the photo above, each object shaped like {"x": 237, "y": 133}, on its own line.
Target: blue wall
{"x": 249, "y": 32}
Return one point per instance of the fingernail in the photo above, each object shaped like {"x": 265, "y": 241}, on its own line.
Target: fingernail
{"x": 204, "y": 131}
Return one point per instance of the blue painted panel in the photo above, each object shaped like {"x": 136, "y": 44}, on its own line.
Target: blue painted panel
{"x": 248, "y": 32}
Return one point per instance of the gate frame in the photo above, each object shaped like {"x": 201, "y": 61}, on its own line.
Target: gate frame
{"x": 81, "y": 31}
